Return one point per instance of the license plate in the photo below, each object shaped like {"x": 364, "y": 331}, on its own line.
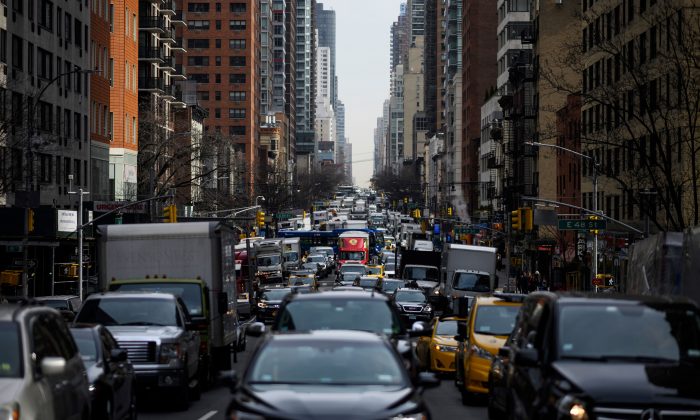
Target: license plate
{"x": 411, "y": 317}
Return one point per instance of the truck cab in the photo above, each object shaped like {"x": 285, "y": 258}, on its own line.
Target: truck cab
{"x": 269, "y": 259}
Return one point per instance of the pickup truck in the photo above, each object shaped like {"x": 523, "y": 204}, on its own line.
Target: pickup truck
{"x": 156, "y": 331}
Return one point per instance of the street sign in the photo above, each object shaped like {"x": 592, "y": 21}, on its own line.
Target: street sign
{"x": 582, "y": 224}
{"x": 284, "y": 216}
{"x": 30, "y": 263}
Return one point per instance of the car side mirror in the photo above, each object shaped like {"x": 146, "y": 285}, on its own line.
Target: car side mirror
{"x": 504, "y": 351}
{"x": 527, "y": 357}
{"x": 230, "y": 379}
{"x": 118, "y": 355}
{"x": 256, "y": 329}
{"x": 222, "y": 302}
{"x": 428, "y": 380}
{"x": 53, "y": 366}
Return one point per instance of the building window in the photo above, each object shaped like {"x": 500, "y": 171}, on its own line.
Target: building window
{"x": 236, "y": 95}
{"x": 236, "y": 113}
{"x": 46, "y": 15}
{"x": 218, "y": 25}
{"x": 236, "y": 61}
{"x": 198, "y": 25}
{"x": 218, "y": 43}
{"x": 217, "y": 113}
{"x": 198, "y": 7}
{"x": 197, "y": 43}
{"x": 198, "y": 60}
{"x": 237, "y": 130}
{"x": 217, "y": 78}
{"x": 236, "y": 44}
{"x": 199, "y": 77}
{"x": 217, "y": 60}
{"x": 203, "y": 95}
{"x": 237, "y": 25}
{"x": 133, "y": 130}
{"x": 17, "y": 52}
{"x": 45, "y": 61}
{"x": 218, "y": 7}
{"x": 111, "y": 17}
{"x": 217, "y": 95}
{"x": 237, "y": 7}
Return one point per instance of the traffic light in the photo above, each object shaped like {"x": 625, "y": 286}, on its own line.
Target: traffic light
{"x": 415, "y": 213}
{"x": 515, "y": 222}
{"x": 592, "y": 217}
{"x": 30, "y": 220}
{"x": 170, "y": 214}
{"x": 449, "y": 211}
{"x": 526, "y": 218}
{"x": 260, "y": 219}
{"x": 405, "y": 200}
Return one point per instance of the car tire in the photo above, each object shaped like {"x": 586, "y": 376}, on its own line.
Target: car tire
{"x": 467, "y": 397}
{"x": 133, "y": 411}
{"x": 493, "y": 412}
{"x": 183, "y": 396}
{"x": 196, "y": 392}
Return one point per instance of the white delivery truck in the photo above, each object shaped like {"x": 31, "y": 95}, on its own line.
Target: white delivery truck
{"x": 468, "y": 270}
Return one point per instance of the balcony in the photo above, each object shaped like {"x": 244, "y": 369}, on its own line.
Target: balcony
{"x": 168, "y": 36}
{"x": 168, "y": 92}
{"x": 178, "y": 73}
{"x": 168, "y": 63}
{"x": 151, "y": 84}
{"x": 168, "y": 7}
{"x": 178, "y": 96}
{"x": 178, "y": 45}
{"x": 151, "y": 24}
{"x": 150, "y": 54}
{"x": 178, "y": 18}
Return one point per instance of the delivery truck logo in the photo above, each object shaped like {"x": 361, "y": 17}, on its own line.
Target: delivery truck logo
{"x": 353, "y": 242}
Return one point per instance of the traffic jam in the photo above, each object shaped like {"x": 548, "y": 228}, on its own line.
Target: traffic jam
{"x": 352, "y": 310}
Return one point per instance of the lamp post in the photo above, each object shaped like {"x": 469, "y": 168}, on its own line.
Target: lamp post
{"x": 595, "y": 191}
{"x": 80, "y": 193}
{"x": 29, "y": 178}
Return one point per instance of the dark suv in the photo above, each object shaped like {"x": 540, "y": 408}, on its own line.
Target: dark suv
{"x": 588, "y": 356}
{"x": 346, "y": 311}
{"x": 412, "y": 304}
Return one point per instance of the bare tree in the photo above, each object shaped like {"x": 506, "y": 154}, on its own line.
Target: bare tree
{"x": 641, "y": 106}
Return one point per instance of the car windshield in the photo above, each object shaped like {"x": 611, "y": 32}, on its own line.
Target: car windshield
{"x": 352, "y": 255}
{"x": 390, "y": 286}
{"x": 87, "y": 346}
{"x": 346, "y": 269}
{"x": 406, "y": 296}
{"x": 10, "y": 350}
{"x": 191, "y": 293}
{"x": 316, "y": 258}
{"x": 390, "y": 267}
{"x": 58, "y": 304}
{"x": 367, "y": 282}
{"x": 421, "y": 273}
{"x": 472, "y": 282}
{"x": 300, "y": 281}
{"x": 374, "y": 270}
{"x": 326, "y": 363}
{"x": 291, "y": 256}
{"x": 268, "y": 260}
{"x": 446, "y": 328}
{"x": 310, "y": 266}
{"x": 496, "y": 319}
{"x": 373, "y": 315}
{"x": 129, "y": 311}
{"x": 274, "y": 294}
{"x": 629, "y": 331}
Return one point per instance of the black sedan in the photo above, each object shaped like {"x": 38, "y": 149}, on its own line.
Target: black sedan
{"x": 315, "y": 375}
{"x": 269, "y": 303}
{"x": 412, "y": 305}
{"x": 110, "y": 374}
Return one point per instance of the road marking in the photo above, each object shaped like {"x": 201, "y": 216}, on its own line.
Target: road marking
{"x": 208, "y": 415}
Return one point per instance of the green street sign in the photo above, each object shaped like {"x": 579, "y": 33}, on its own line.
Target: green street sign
{"x": 582, "y": 224}
{"x": 284, "y": 216}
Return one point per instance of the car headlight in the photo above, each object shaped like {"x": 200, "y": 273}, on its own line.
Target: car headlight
{"x": 445, "y": 349}
{"x": 92, "y": 387}
{"x": 427, "y": 308}
{"x": 482, "y": 353}
{"x": 413, "y": 416}
{"x": 262, "y": 305}
{"x": 571, "y": 407}
{"x": 9, "y": 411}
{"x": 169, "y": 352}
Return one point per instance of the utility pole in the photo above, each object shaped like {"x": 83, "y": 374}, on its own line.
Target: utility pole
{"x": 80, "y": 193}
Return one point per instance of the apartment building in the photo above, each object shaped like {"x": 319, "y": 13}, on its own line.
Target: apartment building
{"x": 101, "y": 115}
{"x": 305, "y": 79}
{"x": 45, "y": 100}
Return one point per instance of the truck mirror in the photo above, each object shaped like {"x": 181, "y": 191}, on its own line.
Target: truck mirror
{"x": 222, "y": 302}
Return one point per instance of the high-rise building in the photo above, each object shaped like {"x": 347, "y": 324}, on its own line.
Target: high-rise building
{"x": 433, "y": 75}
{"x": 279, "y": 49}
{"x": 339, "y": 131}
{"x": 123, "y": 99}
{"x": 325, "y": 22}
{"x": 305, "y": 78}
{"x": 324, "y": 122}
{"x": 479, "y": 47}
{"x": 266, "y": 58}
{"x": 290, "y": 91}
{"x": 45, "y": 119}
{"x": 416, "y": 10}
{"x": 223, "y": 57}
{"x": 413, "y": 101}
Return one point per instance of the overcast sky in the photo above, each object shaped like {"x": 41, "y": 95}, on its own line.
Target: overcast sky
{"x": 362, "y": 67}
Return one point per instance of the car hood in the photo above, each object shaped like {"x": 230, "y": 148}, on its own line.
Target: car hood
{"x": 9, "y": 388}
{"x": 138, "y": 332}
{"x": 490, "y": 342}
{"x": 630, "y": 383}
{"x": 322, "y": 402}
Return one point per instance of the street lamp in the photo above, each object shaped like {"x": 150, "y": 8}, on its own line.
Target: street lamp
{"x": 80, "y": 193}
{"x": 595, "y": 190}
{"x": 256, "y": 200}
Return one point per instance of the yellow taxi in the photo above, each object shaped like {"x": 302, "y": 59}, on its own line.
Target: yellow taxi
{"x": 491, "y": 320}
{"x": 303, "y": 280}
{"x": 437, "y": 351}
{"x": 375, "y": 271}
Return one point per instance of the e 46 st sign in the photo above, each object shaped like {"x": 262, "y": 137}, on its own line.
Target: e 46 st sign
{"x": 582, "y": 224}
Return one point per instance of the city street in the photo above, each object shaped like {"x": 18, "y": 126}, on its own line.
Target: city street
{"x": 444, "y": 401}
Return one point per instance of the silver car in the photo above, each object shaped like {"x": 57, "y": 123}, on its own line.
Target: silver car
{"x": 42, "y": 375}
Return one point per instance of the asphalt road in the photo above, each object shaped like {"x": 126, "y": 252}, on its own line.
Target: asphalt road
{"x": 444, "y": 401}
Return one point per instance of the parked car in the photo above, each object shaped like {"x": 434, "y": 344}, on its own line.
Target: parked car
{"x": 42, "y": 375}
{"x": 156, "y": 331}
{"x": 328, "y": 374}
{"x": 605, "y": 356}
{"x": 111, "y": 374}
